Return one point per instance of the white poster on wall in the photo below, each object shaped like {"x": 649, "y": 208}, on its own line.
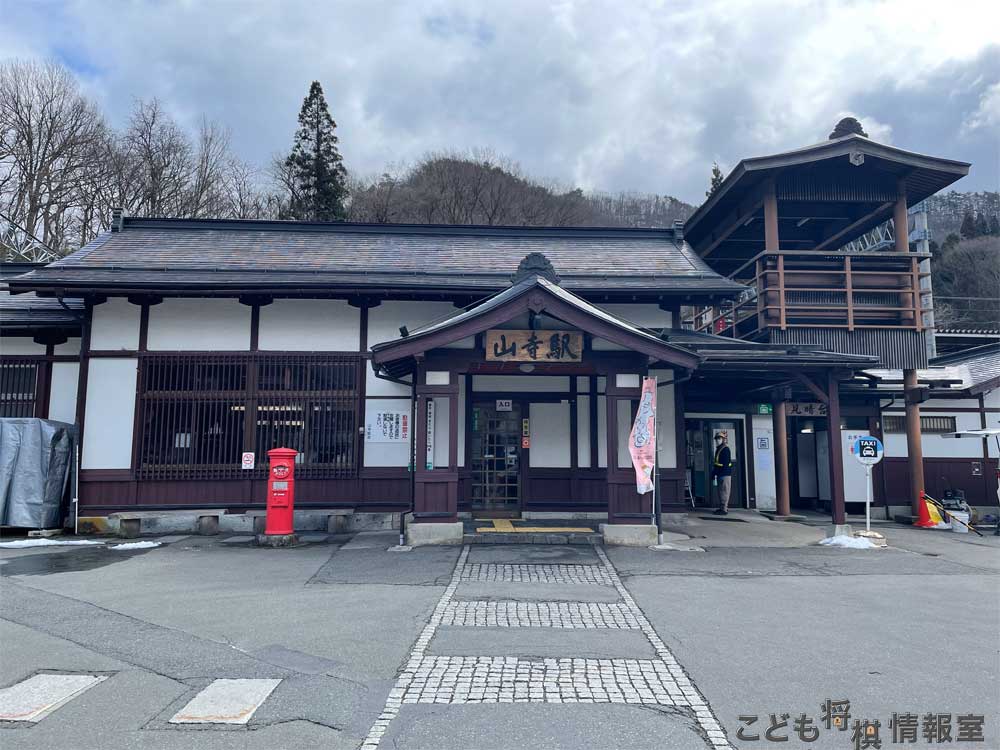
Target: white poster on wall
{"x": 388, "y": 425}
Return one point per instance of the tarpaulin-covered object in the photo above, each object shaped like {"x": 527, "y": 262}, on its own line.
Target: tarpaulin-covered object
{"x": 36, "y": 457}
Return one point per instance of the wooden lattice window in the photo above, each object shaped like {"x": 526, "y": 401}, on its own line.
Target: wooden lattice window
{"x": 929, "y": 425}
{"x": 18, "y": 387}
{"x": 200, "y": 412}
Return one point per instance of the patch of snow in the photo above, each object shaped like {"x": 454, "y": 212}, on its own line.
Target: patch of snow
{"x": 136, "y": 545}
{"x": 47, "y": 543}
{"x": 850, "y": 542}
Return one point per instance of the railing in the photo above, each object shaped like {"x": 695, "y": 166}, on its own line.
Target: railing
{"x": 802, "y": 289}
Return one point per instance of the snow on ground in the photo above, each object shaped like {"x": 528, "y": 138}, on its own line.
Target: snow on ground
{"x": 850, "y": 542}
{"x": 47, "y": 543}
{"x": 136, "y": 545}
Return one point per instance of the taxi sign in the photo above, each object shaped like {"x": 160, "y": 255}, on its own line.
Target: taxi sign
{"x": 868, "y": 450}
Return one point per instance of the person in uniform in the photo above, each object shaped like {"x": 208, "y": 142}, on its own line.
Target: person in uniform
{"x": 722, "y": 472}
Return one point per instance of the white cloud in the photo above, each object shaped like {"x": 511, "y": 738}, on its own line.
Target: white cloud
{"x": 638, "y": 95}
{"x": 987, "y": 115}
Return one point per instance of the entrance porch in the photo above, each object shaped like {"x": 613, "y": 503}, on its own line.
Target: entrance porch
{"x": 523, "y": 407}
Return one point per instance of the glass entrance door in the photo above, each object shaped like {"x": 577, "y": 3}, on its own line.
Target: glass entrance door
{"x": 701, "y": 456}
{"x": 495, "y": 450}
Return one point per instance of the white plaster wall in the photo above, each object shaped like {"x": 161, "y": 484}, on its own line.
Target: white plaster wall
{"x": 461, "y": 421}
{"x": 936, "y": 446}
{"x": 645, "y": 315}
{"x": 378, "y": 387}
{"x": 70, "y": 347}
{"x": 115, "y": 325}
{"x": 856, "y": 482}
{"x": 583, "y": 431}
{"x": 666, "y": 422}
{"x": 319, "y": 325}
{"x": 550, "y": 435}
{"x": 642, "y": 315}
{"x": 441, "y": 432}
{"x": 624, "y": 428}
{"x": 992, "y": 401}
{"x": 521, "y": 383}
{"x": 384, "y": 321}
{"x": 387, "y": 454}
{"x": 765, "y": 490}
{"x": 199, "y": 325}
{"x": 602, "y": 428}
{"x": 62, "y": 395}
{"x": 20, "y": 345}
{"x": 603, "y": 345}
{"x": 107, "y": 438}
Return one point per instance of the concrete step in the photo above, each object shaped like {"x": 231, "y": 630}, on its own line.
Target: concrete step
{"x": 487, "y": 537}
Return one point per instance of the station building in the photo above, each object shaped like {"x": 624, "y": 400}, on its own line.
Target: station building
{"x": 508, "y": 361}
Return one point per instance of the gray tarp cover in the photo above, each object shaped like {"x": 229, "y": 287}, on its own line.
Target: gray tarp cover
{"x": 36, "y": 456}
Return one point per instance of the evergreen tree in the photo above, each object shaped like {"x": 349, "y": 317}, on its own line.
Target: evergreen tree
{"x": 316, "y": 171}
{"x": 995, "y": 226}
{"x": 716, "y": 180}
{"x": 968, "y": 230}
{"x": 982, "y": 226}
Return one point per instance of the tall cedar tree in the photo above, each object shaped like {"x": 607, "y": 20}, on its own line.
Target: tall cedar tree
{"x": 968, "y": 228}
{"x": 317, "y": 170}
{"x": 716, "y": 180}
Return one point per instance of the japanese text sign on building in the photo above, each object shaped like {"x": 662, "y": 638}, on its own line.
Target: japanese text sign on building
{"x": 534, "y": 346}
{"x": 388, "y": 427}
{"x": 806, "y": 409}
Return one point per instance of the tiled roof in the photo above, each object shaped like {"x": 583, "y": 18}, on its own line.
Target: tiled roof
{"x": 238, "y": 255}
{"x": 29, "y": 311}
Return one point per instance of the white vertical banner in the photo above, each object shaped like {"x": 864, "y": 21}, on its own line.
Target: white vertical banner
{"x": 642, "y": 439}
{"x": 430, "y": 434}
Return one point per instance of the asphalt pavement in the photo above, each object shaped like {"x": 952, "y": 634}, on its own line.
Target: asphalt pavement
{"x": 346, "y": 644}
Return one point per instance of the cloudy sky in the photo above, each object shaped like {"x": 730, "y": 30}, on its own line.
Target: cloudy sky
{"x": 633, "y": 95}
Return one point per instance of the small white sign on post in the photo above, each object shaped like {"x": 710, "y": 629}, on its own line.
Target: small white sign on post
{"x": 249, "y": 460}
{"x": 868, "y": 451}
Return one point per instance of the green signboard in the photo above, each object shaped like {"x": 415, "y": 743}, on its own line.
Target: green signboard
{"x": 765, "y": 409}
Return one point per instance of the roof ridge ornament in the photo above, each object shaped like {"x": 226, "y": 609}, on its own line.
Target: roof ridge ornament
{"x": 535, "y": 264}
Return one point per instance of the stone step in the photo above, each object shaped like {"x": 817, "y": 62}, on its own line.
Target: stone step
{"x": 487, "y": 537}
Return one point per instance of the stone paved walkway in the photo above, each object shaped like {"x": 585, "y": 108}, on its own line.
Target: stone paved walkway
{"x": 429, "y": 678}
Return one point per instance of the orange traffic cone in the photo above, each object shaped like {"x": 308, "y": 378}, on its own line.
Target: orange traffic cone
{"x": 928, "y": 517}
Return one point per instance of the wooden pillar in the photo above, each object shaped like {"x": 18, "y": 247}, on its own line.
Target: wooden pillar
{"x": 899, "y": 225}
{"x": 624, "y": 505}
{"x": 771, "y": 218}
{"x": 836, "y": 451}
{"x": 914, "y": 446}
{"x": 783, "y": 496}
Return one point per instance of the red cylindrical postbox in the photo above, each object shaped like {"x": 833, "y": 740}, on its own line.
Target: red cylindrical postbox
{"x": 280, "y": 492}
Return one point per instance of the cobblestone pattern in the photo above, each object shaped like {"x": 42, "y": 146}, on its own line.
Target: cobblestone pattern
{"x": 564, "y": 574}
{"x": 502, "y": 679}
{"x": 498, "y": 679}
{"x": 540, "y": 615}
{"x": 702, "y": 712}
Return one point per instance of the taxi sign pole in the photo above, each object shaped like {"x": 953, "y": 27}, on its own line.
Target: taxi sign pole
{"x": 868, "y": 500}
{"x": 868, "y": 450}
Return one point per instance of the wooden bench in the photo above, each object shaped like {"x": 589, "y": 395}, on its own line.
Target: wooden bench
{"x": 130, "y": 522}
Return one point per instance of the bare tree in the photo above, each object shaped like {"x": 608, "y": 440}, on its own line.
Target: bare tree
{"x": 48, "y": 133}
{"x": 165, "y": 160}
